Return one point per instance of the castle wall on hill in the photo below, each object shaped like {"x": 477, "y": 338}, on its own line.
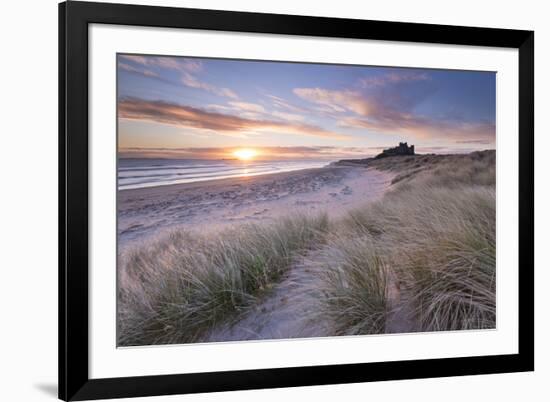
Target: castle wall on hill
{"x": 400, "y": 150}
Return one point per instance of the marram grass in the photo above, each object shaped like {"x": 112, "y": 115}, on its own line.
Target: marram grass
{"x": 182, "y": 286}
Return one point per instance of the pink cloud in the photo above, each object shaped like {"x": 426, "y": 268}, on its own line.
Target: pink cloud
{"x": 187, "y": 116}
{"x": 335, "y": 101}
{"x": 273, "y": 152}
{"x": 249, "y": 107}
{"x": 423, "y": 128}
{"x": 254, "y": 110}
{"x": 382, "y": 108}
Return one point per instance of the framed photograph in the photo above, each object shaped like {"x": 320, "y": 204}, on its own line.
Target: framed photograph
{"x": 257, "y": 200}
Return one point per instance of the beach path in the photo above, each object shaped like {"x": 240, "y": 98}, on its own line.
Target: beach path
{"x": 285, "y": 313}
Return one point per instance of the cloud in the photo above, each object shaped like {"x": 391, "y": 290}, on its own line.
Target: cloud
{"x": 136, "y": 59}
{"x": 386, "y": 105}
{"x": 187, "y": 116}
{"x": 288, "y": 116}
{"x": 220, "y": 108}
{"x": 140, "y": 71}
{"x": 291, "y": 152}
{"x": 173, "y": 63}
{"x": 476, "y": 141}
{"x": 284, "y": 104}
{"x": 184, "y": 66}
{"x": 421, "y": 127}
{"x": 249, "y": 107}
{"x": 444, "y": 150}
{"x": 191, "y": 81}
{"x": 254, "y": 110}
{"x": 328, "y": 153}
{"x": 335, "y": 101}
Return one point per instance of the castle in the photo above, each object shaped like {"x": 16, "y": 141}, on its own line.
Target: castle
{"x": 402, "y": 149}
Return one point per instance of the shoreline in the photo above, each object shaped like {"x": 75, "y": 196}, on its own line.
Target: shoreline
{"x": 227, "y": 177}
{"x": 212, "y": 205}
{"x": 217, "y": 181}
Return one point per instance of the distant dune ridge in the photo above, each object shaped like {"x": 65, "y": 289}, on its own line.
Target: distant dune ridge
{"x": 327, "y": 259}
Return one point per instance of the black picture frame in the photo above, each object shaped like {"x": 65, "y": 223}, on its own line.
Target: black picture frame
{"x": 74, "y": 18}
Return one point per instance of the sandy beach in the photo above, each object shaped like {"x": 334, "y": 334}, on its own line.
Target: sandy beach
{"x": 211, "y": 205}
{"x": 145, "y": 214}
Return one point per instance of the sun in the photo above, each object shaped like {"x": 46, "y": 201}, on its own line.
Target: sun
{"x": 245, "y": 154}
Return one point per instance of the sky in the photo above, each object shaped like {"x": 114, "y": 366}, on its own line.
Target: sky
{"x": 198, "y": 108}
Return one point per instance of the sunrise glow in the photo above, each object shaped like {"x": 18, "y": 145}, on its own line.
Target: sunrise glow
{"x": 193, "y": 108}
{"x": 245, "y": 154}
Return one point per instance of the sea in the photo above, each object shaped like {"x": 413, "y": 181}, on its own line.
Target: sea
{"x": 138, "y": 173}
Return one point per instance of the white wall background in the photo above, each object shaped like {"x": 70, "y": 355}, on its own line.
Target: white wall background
{"x": 28, "y": 201}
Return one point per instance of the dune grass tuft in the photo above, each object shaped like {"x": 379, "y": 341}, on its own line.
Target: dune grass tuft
{"x": 351, "y": 291}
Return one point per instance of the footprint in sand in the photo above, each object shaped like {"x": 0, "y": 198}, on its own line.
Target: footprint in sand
{"x": 346, "y": 190}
